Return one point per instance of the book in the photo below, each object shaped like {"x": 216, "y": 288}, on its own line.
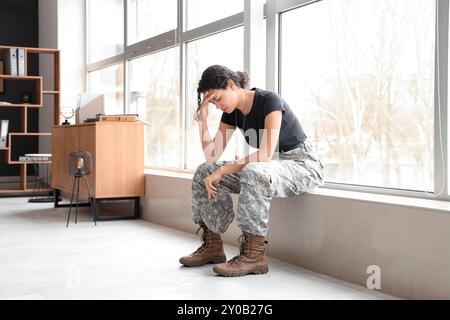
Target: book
{"x": 11, "y": 62}
{"x": 119, "y": 117}
{"x": 3, "y": 133}
{"x": 21, "y": 61}
{"x": 34, "y": 158}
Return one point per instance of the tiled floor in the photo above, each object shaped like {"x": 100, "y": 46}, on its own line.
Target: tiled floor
{"x": 42, "y": 259}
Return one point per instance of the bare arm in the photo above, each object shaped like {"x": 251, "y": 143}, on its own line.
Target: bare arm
{"x": 213, "y": 148}
{"x": 272, "y": 125}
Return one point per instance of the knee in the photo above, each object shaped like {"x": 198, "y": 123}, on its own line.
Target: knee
{"x": 255, "y": 175}
{"x": 255, "y": 172}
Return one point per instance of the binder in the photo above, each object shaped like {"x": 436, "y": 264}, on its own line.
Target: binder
{"x": 11, "y": 62}
{"x": 3, "y": 133}
{"x": 21, "y": 62}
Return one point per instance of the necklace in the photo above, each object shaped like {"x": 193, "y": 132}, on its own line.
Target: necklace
{"x": 236, "y": 154}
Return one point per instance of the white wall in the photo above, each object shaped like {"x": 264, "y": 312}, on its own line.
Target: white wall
{"x": 61, "y": 25}
{"x": 71, "y": 24}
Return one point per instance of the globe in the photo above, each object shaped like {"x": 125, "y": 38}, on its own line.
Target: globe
{"x": 67, "y": 113}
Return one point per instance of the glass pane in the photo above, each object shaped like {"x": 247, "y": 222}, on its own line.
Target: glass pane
{"x": 362, "y": 86}
{"x": 148, "y": 18}
{"x": 202, "y": 54}
{"x": 109, "y": 81}
{"x": 154, "y": 91}
{"x": 201, "y": 12}
{"x": 105, "y": 29}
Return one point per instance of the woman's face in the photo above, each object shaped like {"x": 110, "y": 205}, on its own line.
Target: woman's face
{"x": 225, "y": 99}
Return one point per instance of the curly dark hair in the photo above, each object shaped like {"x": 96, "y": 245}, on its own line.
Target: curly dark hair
{"x": 216, "y": 77}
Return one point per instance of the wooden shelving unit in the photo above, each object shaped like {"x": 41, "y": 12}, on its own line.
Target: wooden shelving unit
{"x": 39, "y": 103}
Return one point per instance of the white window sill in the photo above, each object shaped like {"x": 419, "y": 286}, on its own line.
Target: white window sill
{"x": 167, "y": 173}
{"x": 431, "y": 204}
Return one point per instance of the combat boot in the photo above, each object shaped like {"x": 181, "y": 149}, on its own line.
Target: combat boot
{"x": 251, "y": 260}
{"x": 211, "y": 250}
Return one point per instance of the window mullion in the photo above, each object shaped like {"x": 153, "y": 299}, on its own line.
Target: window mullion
{"x": 440, "y": 105}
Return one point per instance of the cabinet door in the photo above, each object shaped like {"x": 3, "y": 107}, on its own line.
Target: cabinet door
{"x": 86, "y": 142}
{"x": 120, "y": 160}
{"x": 64, "y": 141}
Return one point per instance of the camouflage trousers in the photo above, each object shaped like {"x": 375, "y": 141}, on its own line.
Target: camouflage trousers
{"x": 287, "y": 174}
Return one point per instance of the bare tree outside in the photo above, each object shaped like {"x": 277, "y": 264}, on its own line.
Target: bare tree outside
{"x": 154, "y": 95}
{"x": 360, "y": 76}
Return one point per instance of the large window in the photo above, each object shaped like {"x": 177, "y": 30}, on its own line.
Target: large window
{"x": 360, "y": 77}
{"x": 154, "y": 91}
{"x": 109, "y": 81}
{"x": 201, "y": 12}
{"x": 105, "y": 29}
{"x": 225, "y": 48}
{"x": 148, "y": 18}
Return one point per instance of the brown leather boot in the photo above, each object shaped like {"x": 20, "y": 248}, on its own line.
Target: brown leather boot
{"x": 251, "y": 259}
{"x": 211, "y": 250}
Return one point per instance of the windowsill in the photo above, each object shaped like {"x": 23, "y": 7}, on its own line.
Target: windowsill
{"x": 169, "y": 173}
{"x": 431, "y": 204}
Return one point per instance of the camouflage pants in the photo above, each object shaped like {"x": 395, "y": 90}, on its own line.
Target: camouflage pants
{"x": 287, "y": 174}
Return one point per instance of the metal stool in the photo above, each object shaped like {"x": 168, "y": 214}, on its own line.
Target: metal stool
{"x": 79, "y": 165}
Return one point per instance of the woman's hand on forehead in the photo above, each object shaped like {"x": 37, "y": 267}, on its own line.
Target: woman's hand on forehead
{"x": 209, "y": 95}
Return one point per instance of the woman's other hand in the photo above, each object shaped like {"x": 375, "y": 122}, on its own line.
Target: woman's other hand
{"x": 211, "y": 183}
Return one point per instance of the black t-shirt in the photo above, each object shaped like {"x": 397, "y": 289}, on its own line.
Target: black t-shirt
{"x": 264, "y": 102}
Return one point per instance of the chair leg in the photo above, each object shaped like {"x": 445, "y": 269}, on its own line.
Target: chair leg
{"x": 76, "y": 205}
{"x": 90, "y": 199}
{"x": 71, "y": 201}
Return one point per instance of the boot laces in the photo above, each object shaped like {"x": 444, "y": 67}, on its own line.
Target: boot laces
{"x": 206, "y": 240}
{"x": 243, "y": 247}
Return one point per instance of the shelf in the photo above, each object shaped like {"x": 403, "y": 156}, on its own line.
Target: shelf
{"x": 30, "y": 133}
{"x": 22, "y": 105}
{"x": 29, "y": 162}
{"x": 32, "y": 50}
{"x": 8, "y": 77}
{"x": 37, "y": 96}
{"x": 4, "y": 148}
{"x": 7, "y": 191}
{"x": 50, "y": 92}
{"x": 26, "y": 191}
{"x": 40, "y": 190}
{"x": 40, "y": 50}
{"x": 24, "y": 134}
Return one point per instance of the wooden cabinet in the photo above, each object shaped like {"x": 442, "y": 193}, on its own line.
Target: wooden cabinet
{"x": 117, "y": 150}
